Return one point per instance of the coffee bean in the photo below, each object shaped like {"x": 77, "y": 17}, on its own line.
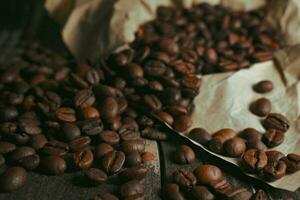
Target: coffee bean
{"x": 184, "y": 178}
{"x": 276, "y": 121}
{"x": 102, "y": 149}
{"x": 134, "y": 70}
{"x": 95, "y": 176}
{"x": 8, "y": 113}
{"x": 154, "y": 134}
{"x": 133, "y": 158}
{"x": 184, "y": 155}
{"x": 6, "y": 147}
{"x": 155, "y": 86}
{"x": 53, "y": 165}
{"x": 128, "y": 132}
{"x": 113, "y": 161}
{"x": 259, "y": 195}
{"x": 172, "y": 192}
{"x": 293, "y": 162}
{"x": 254, "y": 160}
{"x": 274, "y": 155}
{"x": 211, "y": 56}
{"x": 30, "y": 162}
{"x": 165, "y": 117}
{"x": 12, "y": 179}
{"x": 200, "y": 136}
{"x": 145, "y": 121}
{"x": 103, "y": 91}
{"x": 70, "y": 131}
{"x": 83, "y": 159}
{"x": 110, "y": 137}
{"x": 191, "y": 82}
{"x": 92, "y": 77}
{"x": 18, "y": 138}
{"x": 137, "y": 173}
{"x": 89, "y": 113}
{"x": 106, "y": 196}
{"x": 263, "y": 86}
{"x": 109, "y": 108}
{"x": 274, "y": 170}
{"x": 273, "y": 138}
{"x": 20, "y": 152}
{"x": 56, "y": 148}
{"x": 80, "y": 143}
{"x": 169, "y": 46}
{"x": 250, "y": 134}
{"x": 133, "y": 145}
{"x": 202, "y": 193}
{"x": 235, "y": 147}
{"x": 239, "y": 193}
{"x": 208, "y": 174}
{"x": 220, "y": 138}
{"x": 261, "y": 107}
{"x": 38, "y": 141}
{"x": 182, "y": 123}
{"x": 66, "y": 114}
{"x": 131, "y": 188}
{"x": 92, "y": 127}
{"x": 8, "y": 128}
{"x": 152, "y": 102}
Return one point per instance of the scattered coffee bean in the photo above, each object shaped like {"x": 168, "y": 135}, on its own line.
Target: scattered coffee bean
{"x": 113, "y": 161}
{"x": 53, "y": 165}
{"x": 6, "y": 147}
{"x": 208, "y": 174}
{"x": 132, "y": 188}
{"x": 261, "y": 107}
{"x": 137, "y": 173}
{"x": 274, "y": 155}
{"x": 182, "y": 123}
{"x": 95, "y": 176}
{"x": 133, "y": 145}
{"x": 274, "y": 170}
{"x": 273, "y": 138}
{"x": 109, "y": 137}
{"x": 133, "y": 158}
{"x": 20, "y": 152}
{"x": 276, "y": 121}
{"x": 250, "y": 134}
{"x": 202, "y": 192}
{"x": 30, "y": 162}
{"x": 152, "y": 133}
{"x": 55, "y": 147}
{"x": 200, "y": 136}
{"x": 172, "y": 192}
{"x": 83, "y": 159}
{"x": 254, "y": 160}
{"x": 263, "y": 86}
{"x": 235, "y": 147}
{"x": 293, "y": 162}
{"x": 12, "y": 179}
{"x": 102, "y": 149}
{"x": 70, "y": 131}
{"x": 184, "y": 178}
{"x": 184, "y": 155}
{"x": 80, "y": 143}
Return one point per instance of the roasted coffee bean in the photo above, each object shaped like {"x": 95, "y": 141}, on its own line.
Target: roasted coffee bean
{"x": 219, "y": 138}
{"x": 66, "y": 114}
{"x": 95, "y": 176}
{"x": 250, "y": 134}
{"x": 165, "y": 117}
{"x": 8, "y": 113}
{"x": 137, "y": 173}
{"x": 211, "y": 56}
{"x": 184, "y": 178}
{"x": 103, "y": 91}
{"x": 261, "y": 107}
{"x": 182, "y": 123}
{"x": 145, "y": 121}
{"x": 177, "y": 110}
{"x": 131, "y": 188}
{"x": 171, "y": 96}
{"x": 169, "y": 46}
{"x": 20, "y": 152}
{"x": 133, "y": 158}
{"x": 256, "y": 144}
{"x": 273, "y": 138}
{"x": 184, "y": 68}
{"x": 18, "y": 138}
{"x": 263, "y": 86}
{"x": 154, "y": 134}
{"x": 235, "y": 147}
{"x": 191, "y": 82}
{"x": 200, "y": 136}
{"x": 274, "y": 170}
{"x": 260, "y": 195}
{"x": 172, "y": 192}
{"x": 134, "y": 70}
{"x": 128, "y": 132}
{"x": 83, "y": 159}
{"x": 8, "y": 128}
{"x": 184, "y": 155}
{"x": 238, "y": 194}
{"x": 109, "y": 108}
{"x": 53, "y": 165}
{"x": 156, "y": 86}
{"x": 102, "y": 149}
{"x": 106, "y": 196}
{"x": 6, "y": 147}
{"x": 56, "y": 148}
{"x": 208, "y": 174}
{"x": 115, "y": 123}
{"x": 70, "y": 131}
{"x": 133, "y": 145}
{"x": 92, "y": 127}
{"x": 110, "y": 137}
{"x": 155, "y": 68}
{"x": 202, "y": 193}
{"x": 92, "y": 77}
{"x": 152, "y": 102}
{"x": 12, "y": 179}
{"x": 123, "y": 105}
{"x": 30, "y": 162}
{"x": 89, "y": 113}
{"x": 113, "y": 161}
{"x": 254, "y": 160}
{"x": 274, "y": 155}
{"x": 293, "y": 162}
{"x": 276, "y": 121}
{"x": 80, "y": 143}
{"x": 38, "y": 141}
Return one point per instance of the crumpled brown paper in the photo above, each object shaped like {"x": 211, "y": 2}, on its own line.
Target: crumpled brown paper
{"x": 94, "y": 28}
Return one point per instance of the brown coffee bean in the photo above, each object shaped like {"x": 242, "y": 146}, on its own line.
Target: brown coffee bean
{"x": 102, "y": 149}
{"x": 172, "y": 192}
{"x": 84, "y": 98}
{"x": 56, "y": 148}
{"x": 8, "y": 128}
{"x": 238, "y": 194}
{"x": 155, "y": 68}
{"x": 211, "y": 56}
{"x": 200, "y": 136}
{"x": 155, "y": 86}
{"x": 137, "y": 173}
{"x": 292, "y": 161}
{"x": 184, "y": 178}
{"x": 177, "y": 110}
{"x": 92, "y": 77}
{"x": 92, "y": 127}
{"x": 254, "y": 160}
{"x": 104, "y": 91}
{"x": 122, "y": 104}
{"x": 276, "y": 121}
{"x": 6, "y": 147}
{"x": 70, "y": 131}
{"x": 154, "y": 134}
{"x": 261, "y": 107}
{"x": 182, "y": 123}
{"x": 20, "y": 152}
{"x": 152, "y": 102}
{"x": 184, "y": 68}
{"x": 208, "y": 174}
{"x": 165, "y": 117}
{"x": 263, "y": 86}
{"x": 184, "y": 155}
{"x": 89, "y": 113}
{"x": 113, "y": 161}
{"x": 30, "y": 162}
{"x": 133, "y": 145}
{"x": 109, "y": 108}
{"x": 134, "y": 70}
{"x": 260, "y": 195}
{"x": 110, "y": 137}
{"x": 202, "y": 193}
{"x": 250, "y": 134}
{"x": 131, "y": 189}
{"x": 80, "y": 143}
{"x": 219, "y": 138}
{"x": 274, "y": 155}
{"x": 66, "y": 114}
{"x": 12, "y": 179}
{"x": 256, "y": 144}
{"x": 53, "y": 165}
{"x": 133, "y": 158}
{"x": 235, "y": 147}
{"x": 83, "y": 159}
{"x": 95, "y": 176}
{"x": 273, "y": 138}
{"x": 169, "y": 46}
{"x": 274, "y": 170}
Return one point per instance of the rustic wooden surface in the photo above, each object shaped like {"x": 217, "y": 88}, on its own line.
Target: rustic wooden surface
{"x": 71, "y": 185}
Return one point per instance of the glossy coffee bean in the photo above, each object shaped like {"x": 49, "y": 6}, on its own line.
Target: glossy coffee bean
{"x": 66, "y": 114}
{"x": 182, "y": 123}
{"x": 184, "y": 155}
{"x": 70, "y": 131}
{"x": 200, "y": 136}
{"x": 109, "y": 108}
{"x": 133, "y": 145}
{"x": 152, "y": 102}
{"x": 250, "y": 134}
{"x": 256, "y": 144}
{"x": 154, "y": 134}
{"x": 292, "y": 161}
{"x": 113, "y": 161}
{"x": 276, "y": 121}
{"x": 169, "y": 46}
{"x": 172, "y": 192}
{"x": 30, "y": 162}
{"x": 102, "y": 149}
{"x": 80, "y": 143}
{"x": 12, "y": 179}
{"x": 219, "y": 138}
{"x": 274, "y": 170}
{"x": 20, "y": 152}
{"x": 89, "y": 113}
{"x": 165, "y": 117}
{"x": 261, "y": 107}
{"x": 263, "y": 86}
{"x": 273, "y": 138}
{"x": 109, "y": 137}
{"x": 53, "y": 165}
{"x": 95, "y": 176}
{"x": 131, "y": 188}
{"x": 235, "y": 147}
{"x": 133, "y": 158}
{"x": 202, "y": 193}
{"x": 8, "y": 113}
{"x": 254, "y": 160}
{"x": 208, "y": 174}
{"x": 55, "y": 147}
{"x": 274, "y": 155}
{"x": 84, "y": 98}
{"x": 38, "y": 141}
{"x": 184, "y": 178}
{"x": 137, "y": 173}
{"x": 92, "y": 127}
{"x": 83, "y": 159}
{"x": 6, "y": 147}
{"x": 134, "y": 70}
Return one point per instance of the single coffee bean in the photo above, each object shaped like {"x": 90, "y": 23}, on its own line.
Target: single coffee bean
{"x": 134, "y": 70}
{"x": 137, "y": 173}
{"x": 19, "y": 138}
{"x": 106, "y": 196}
{"x": 103, "y": 91}
{"x": 274, "y": 155}
{"x": 20, "y": 152}
{"x": 260, "y": 195}
{"x": 30, "y": 162}
{"x": 238, "y": 193}
{"x": 84, "y": 98}
{"x": 109, "y": 108}
{"x": 211, "y": 56}
{"x": 92, "y": 127}
{"x": 113, "y": 161}
{"x": 12, "y": 179}
{"x": 8, "y": 128}
{"x": 30, "y": 129}
{"x": 115, "y": 123}
{"x": 95, "y": 176}
{"x": 250, "y": 134}
{"x": 184, "y": 178}
{"x": 38, "y": 141}
{"x": 89, "y": 113}
{"x": 254, "y": 160}
{"x": 293, "y": 162}
{"x": 191, "y": 82}
{"x": 70, "y": 131}
{"x": 154, "y": 134}
{"x": 263, "y": 86}
{"x": 128, "y": 132}
{"x": 184, "y": 68}
{"x": 145, "y": 121}
{"x": 92, "y": 77}
{"x": 276, "y": 121}
{"x": 80, "y": 143}
{"x": 102, "y": 149}
{"x": 274, "y": 170}
{"x": 165, "y": 117}
{"x": 172, "y": 192}
{"x": 273, "y": 138}
{"x": 53, "y": 165}
{"x": 169, "y": 46}
{"x": 133, "y": 145}
{"x": 133, "y": 158}
{"x": 131, "y": 188}
{"x": 177, "y": 110}
{"x": 219, "y": 138}
{"x": 184, "y": 155}
{"x": 182, "y": 123}
{"x": 155, "y": 86}
{"x": 200, "y": 136}
{"x": 235, "y": 147}
{"x": 109, "y": 137}
{"x": 152, "y": 102}
{"x": 6, "y": 147}
{"x": 256, "y": 144}
{"x": 222, "y": 186}
{"x": 56, "y": 148}
{"x": 261, "y": 107}
{"x": 65, "y": 114}
{"x": 8, "y": 113}
{"x": 202, "y": 193}
{"x": 208, "y": 174}
{"x": 122, "y": 104}
{"x": 83, "y": 159}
